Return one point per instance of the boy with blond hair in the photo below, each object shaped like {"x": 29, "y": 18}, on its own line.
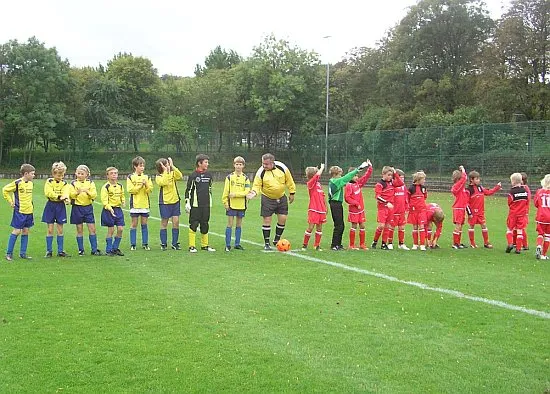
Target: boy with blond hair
{"x": 56, "y": 190}
{"x": 542, "y": 203}
{"x": 139, "y": 185}
{"x": 112, "y": 198}
{"x": 460, "y": 205}
{"x": 400, "y": 207}
{"x": 236, "y": 187}
{"x": 477, "y": 195}
{"x": 384, "y": 193}
{"x": 518, "y": 203}
{"x": 434, "y": 216}
{"x": 418, "y": 194}
{"x": 317, "y": 208}
{"x": 356, "y": 215}
{"x": 18, "y": 194}
{"x": 169, "y": 201}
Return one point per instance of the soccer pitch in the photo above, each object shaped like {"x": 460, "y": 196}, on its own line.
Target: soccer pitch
{"x": 472, "y": 320}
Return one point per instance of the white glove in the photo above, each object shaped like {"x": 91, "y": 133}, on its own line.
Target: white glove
{"x": 187, "y": 206}
{"x": 362, "y": 166}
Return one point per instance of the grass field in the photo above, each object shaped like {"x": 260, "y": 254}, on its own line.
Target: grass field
{"x": 351, "y": 321}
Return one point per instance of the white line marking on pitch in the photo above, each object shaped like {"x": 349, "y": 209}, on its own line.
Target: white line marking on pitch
{"x": 454, "y": 293}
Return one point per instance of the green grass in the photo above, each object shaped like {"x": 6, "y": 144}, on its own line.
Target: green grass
{"x": 264, "y": 322}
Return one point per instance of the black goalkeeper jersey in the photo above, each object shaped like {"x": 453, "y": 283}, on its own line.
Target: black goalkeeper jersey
{"x": 199, "y": 189}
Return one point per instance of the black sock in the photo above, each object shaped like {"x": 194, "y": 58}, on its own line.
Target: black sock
{"x": 266, "y": 230}
{"x": 279, "y": 231}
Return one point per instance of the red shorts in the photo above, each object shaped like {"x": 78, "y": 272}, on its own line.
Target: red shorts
{"x": 543, "y": 228}
{"x": 385, "y": 215}
{"x": 476, "y": 219}
{"x": 316, "y": 217}
{"x": 354, "y": 217}
{"x": 399, "y": 219}
{"x": 418, "y": 218}
{"x": 516, "y": 222}
{"x": 459, "y": 215}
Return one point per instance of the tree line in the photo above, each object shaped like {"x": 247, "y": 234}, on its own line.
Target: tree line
{"x": 445, "y": 63}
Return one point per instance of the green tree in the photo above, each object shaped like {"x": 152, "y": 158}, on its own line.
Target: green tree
{"x": 218, "y": 59}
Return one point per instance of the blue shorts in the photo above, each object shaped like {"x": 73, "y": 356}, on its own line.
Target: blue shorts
{"x": 108, "y": 220}
{"x": 54, "y": 212}
{"x": 137, "y": 215}
{"x": 82, "y": 214}
{"x": 236, "y": 212}
{"x": 169, "y": 210}
{"x": 22, "y": 220}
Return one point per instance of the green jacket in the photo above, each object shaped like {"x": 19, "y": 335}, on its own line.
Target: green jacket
{"x": 336, "y": 185}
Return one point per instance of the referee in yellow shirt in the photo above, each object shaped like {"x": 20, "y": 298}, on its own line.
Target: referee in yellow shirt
{"x": 271, "y": 181}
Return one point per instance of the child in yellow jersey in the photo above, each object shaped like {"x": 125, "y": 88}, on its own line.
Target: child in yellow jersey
{"x": 82, "y": 193}
{"x": 21, "y": 202}
{"x": 56, "y": 190}
{"x": 237, "y": 186}
{"x": 112, "y": 198}
{"x": 140, "y": 186}
{"x": 169, "y": 201}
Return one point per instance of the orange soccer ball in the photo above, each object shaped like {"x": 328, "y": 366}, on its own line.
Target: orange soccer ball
{"x": 283, "y": 245}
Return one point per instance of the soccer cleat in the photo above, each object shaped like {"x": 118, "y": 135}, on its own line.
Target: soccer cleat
{"x": 525, "y": 248}
{"x": 538, "y": 252}
{"x": 275, "y": 242}
{"x": 48, "y": 255}
{"x": 373, "y": 244}
{"x": 133, "y": 247}
{"x": 96, "y": 253}
{"x": 423, "y": 248}
{"x": 110, "y": 254}
{"x": 488, "y": 246}
{"x": 208, "y": 249}
{"x": 238, "y": 247}
{"x": 543, "y": 257}
{"x": 228, "y": 248}
{"x": 176, "y": 246}
{"x": 403, "y": 247}
{"x": 9, "y": 257}
{"x": 384, "y": 246}
{"x": 457, "y": 246}
{"x": 192, "y": 249}
{"x": 304, "y": 247}
{"x": 267, "y": 247}
{"x": 80, "y": 253}
{"x": 509, "y": 248}
{"x": 390, "y": 246}
{"x": 25, "y": 257}
{"x": 318, "y": 249}
{"x": 462, "y": 246}
{"x": 335, "y": 248}
{"x": 414, "y": 247}
{"x": 341, "y": 247}
{"x": 518, "y": 251}
{"x": 118, "y": 252}
{"x": 353, "y": 247}
{"x": 146, "y": 247}
{"x": 163, "y": 247}
{"x": 363, "y": 247}
{"x": 473, "y": 246}
{"x": 436, "y": 246}
{"x": 63, "y": 254}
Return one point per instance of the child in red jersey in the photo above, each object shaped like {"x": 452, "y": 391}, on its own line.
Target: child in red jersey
{"x": 477, "y": 205}
{"x": 518, "y": 203}
{"x": 356, "y": 215}
{"x": 317, "y": 210}
{"x": 400, "y": 207}
{"x": 434, "y": 216}
{"x": 524, "y": 183}
{"x": 460, "y": 205}
{"x": 417, "y": 209}
{"x": 542, "y": 203}
{"x": 384, "y": 192}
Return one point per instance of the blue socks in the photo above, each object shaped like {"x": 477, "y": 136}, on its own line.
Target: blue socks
{"x": 80, "y": 243}
{"x": 175, "y": 235}
{"x": 93, "y": 242}
{"x": 228, "y": 236}
{"x": 49, "y": 243}
{"x": 60, "y": 239}
{"x": 11, "y": 244}
{"x": 144, "y": 234}
{"x": 164, "y": 236}
{"x": 24, "y": 244}
{"x": 108, "y": 245}
{"x": 133, "y": 236}
{"x": 116, "y": 244}
{"x": 237, "y": 235}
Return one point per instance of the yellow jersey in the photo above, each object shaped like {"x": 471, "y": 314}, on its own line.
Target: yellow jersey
{"x": 112, "y": 195}
{"x": 139, "y": 187}
{"x": 238, "y": 184}
{"x": 22, "y": 195}
{"x": 272, "y": 183}
{"x": 84, "y": 198}
{"x": 168, "y": 193}
{"x": 54, "y": 189}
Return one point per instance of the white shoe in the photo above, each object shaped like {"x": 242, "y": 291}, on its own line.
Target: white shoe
{"x": 423, "y": 247}
{"x": 390, "y": 246}
{"x": 403, "y": 247}
{"x": 414, "y": 247}
{"x": 208, "y": 249}
{"x": 538, "y": 253}
{"x": 543, "y": 257}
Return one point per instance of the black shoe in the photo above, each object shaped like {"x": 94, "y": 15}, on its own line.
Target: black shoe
{"x": 132, "y": 247}
{"x": 163, "y": 247}
{"x": 81, "y": 253}
{"x": 518, "y": 251}
{"x": 525, "y": 248}
{"x": 176, "y": 246}
{"x": 110, "y": 254}
{"x": 208, "y": 248}
{"x": 118, "y": 252}
{"x": 25, "y": 257}
{"x": 462, "y": 246}
{"x": 275, "y": 242}
{"x": 335, "y": 248}
{"x": 373, "y": 245}
{"x": 341, "y": 247}
{"x": 63, "y": 254}
{"x": 238, "y": 247}
{"x": 48, "y": 255}
{"x": 384, "y": 246}
{"x": 228, "y": 248}
{"x": 267, "y": 247}
{"x": 96, "y": 253}
{"x": 509, "y": 248}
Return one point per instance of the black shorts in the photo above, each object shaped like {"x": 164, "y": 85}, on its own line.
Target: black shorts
{"x": 271, "y": 206}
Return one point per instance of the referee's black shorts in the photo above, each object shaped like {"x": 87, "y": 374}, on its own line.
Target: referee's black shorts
{"x": 274, "y": 205}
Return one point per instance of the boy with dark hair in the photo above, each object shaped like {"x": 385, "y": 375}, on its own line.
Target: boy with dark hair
{"x": 139, "y": 186}
{"x": 460, "y": 205}
{"x": 21, "y": 202}
{"x": 112, "y": 198}
{"x": 198, "y": 200}
{"x": 169, "y": 201}
{"x": 477, "y": 205}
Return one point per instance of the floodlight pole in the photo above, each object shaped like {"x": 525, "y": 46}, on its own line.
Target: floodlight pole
{"x": 326, "y": 110}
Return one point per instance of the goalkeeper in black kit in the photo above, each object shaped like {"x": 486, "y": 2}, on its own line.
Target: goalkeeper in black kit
{"x": 198, "y": 200}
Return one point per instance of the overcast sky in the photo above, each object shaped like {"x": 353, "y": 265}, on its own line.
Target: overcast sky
{"x": 177, "y": 34}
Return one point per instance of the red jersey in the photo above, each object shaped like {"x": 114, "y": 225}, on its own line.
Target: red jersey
{"x": 430, "y": 209}
{"x": 316, "y": 195}
{"x": 477, "y": 198}
{"x": 542, "y": 203}
{"x": 518, "y": 201}
{"x": 417, "y": 198}
{"x": 384, "y": 191}
{"x": 353, "y": 194}
{"x": 400, "y": 200}
{"x": 461, "y": 195}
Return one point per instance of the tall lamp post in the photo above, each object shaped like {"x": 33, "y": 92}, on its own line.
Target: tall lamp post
{"x": 326, "y": 109}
